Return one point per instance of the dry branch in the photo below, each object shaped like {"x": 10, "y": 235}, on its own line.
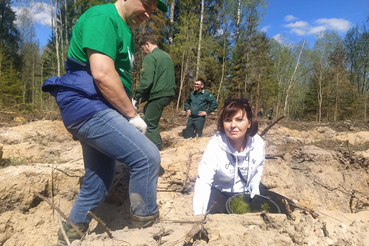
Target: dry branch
{"x": 60, "y": 212}
{"x": 61, "y": 227}
{"x": 325, "y": 231}
{"x": 271, "y": 125}
{"x": 188, "y": 164}
{"x": 198, "y": 228}
{"x": 288, "y": 208}
{"x": 269, "y": 156}
{"x": 101, "y": 223}
{"x": 311, "y": 211}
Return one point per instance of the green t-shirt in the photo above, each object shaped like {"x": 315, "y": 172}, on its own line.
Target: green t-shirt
{"x": 102, "y": 29}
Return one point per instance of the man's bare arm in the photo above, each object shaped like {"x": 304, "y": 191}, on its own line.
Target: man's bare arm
{"x": 108, "y": 81}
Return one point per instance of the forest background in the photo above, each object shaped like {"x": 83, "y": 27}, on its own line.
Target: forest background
{"x": 212, "y": 39}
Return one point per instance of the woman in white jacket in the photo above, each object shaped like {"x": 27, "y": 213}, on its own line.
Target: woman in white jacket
{"x": 233, "y": 160}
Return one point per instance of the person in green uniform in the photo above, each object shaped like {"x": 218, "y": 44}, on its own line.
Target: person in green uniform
{"x": 157, "y": 85}
{"x": 196, "y": 106}
{"x": 94, "y": 98}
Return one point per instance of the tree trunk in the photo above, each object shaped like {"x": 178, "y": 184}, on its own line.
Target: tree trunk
{"x": 247, "y": 63}
{"x": 171, "y": 22}
{"x": 223, "y": 65}
{"x": 365, "y": 105}
{"x": 238, "y": 20}
{"x": 320, "y": 97}
{"x": 292, "y": 82}
{"x": 1, "y": 55}
{"x": 41, "y": 81}
{"x": 182, "y": 80}
{"x": 257, "y": 93}
{"x": 56, "y": 35}
{"x": 61, "y": 35}
{"x": 336, "y": 105}
{"x": 66, "y": 23}
{"x": 200, "y": 34}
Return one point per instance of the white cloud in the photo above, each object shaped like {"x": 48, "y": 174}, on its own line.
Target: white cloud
{"x": 298, "y": 24}
{"x": 279, "y": 38}
{"x": 298, "y": 31}
{"x": 339, "y": 25}
{"x": 41, "y": 12}
{"x": 317, "y": 29}
{"x": 265, "y": 29}
{"x": 282, "y": 40}
{"x": 289, "y": 18}
{"x": 303, "y": 28}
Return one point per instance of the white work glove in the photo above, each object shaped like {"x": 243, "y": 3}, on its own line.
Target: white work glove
{"x": 254, "y": 190}
{"x": 134, "y": 103}
{"x": 139, "y": 123}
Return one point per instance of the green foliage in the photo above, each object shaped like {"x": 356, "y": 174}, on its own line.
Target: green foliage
{"x": 239, "y": 206}
{"x": 10, "y": 86}
{"x": 236, "y": 60}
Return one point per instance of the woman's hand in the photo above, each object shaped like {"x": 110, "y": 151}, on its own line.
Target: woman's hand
{"x": 254, "y": 190}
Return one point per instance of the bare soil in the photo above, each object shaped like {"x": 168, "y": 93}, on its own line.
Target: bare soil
{"x": 321, "y": 167}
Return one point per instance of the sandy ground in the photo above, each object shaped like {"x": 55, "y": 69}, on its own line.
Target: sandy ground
{"x": 322, "y": 169}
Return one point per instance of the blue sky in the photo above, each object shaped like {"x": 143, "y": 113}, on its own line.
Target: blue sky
{"x": 302, "y": 19}
{"x": 294, "y": 19}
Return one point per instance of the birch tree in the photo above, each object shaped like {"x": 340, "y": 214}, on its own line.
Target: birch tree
{"x": 292, "y": 81}
{"x": 199, "y": 45}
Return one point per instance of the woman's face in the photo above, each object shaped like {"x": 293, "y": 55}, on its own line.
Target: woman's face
{"x": 235, "y": 127}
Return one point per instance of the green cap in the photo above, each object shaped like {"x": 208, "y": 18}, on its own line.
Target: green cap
{"x": 162, "y": 6}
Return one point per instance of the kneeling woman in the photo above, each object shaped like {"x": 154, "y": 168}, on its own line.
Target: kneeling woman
{"x": 233, "y": 160}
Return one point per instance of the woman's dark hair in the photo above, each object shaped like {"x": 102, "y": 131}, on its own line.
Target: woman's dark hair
{"x": 231, "y": 107}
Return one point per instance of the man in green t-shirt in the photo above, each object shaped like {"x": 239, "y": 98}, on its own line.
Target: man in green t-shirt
{"x": 157, "y": 85}
{"x": 95, "y": 104}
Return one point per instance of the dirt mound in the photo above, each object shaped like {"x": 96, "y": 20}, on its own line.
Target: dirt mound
{"x": 317, "y": 167}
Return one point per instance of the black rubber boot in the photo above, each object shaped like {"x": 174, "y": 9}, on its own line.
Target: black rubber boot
{"x": 144, "y": 221}
{"x": 71, "y": 233}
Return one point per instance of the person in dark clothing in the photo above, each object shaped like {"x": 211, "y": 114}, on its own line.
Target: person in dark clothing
{"x": 260, "y": 113}
{"x": 196, "y": 106}
{"x": 157, "y": 85}
{"x": 270, "y": 113}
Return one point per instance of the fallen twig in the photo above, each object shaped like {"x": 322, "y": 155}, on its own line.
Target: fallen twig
{"x": 60, "y": 212}
{"x": 61, "y": 227}
{"x": 269, "y": 156}
{"x": 198, "y": 228}
{"x": 188, "y": 164}
{"x": 180, "y": 221}
{"x": 311, "y": 211}
{"x": 271, "y": 125}
{"x": 325, "y": 231}
{"x": 289, "y": 212}
{"x": 101, "y": 223}
{"x": 162, "y": 233}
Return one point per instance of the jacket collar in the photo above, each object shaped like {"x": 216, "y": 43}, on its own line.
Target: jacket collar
{"x": 155, "y": 49}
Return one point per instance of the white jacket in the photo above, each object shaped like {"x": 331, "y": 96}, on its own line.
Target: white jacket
{"x": 218, "y": 168}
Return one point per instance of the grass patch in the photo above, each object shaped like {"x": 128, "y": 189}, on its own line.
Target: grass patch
{"x": 16, "y": 161}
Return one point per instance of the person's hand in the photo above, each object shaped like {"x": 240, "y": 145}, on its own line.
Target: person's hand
{"x": 254, "y": 190}
{"x": 139, "y": 123}
{"x": 135, "y": 103}
{"x": 189, "y": 112}
{"x": 202, "y": 113}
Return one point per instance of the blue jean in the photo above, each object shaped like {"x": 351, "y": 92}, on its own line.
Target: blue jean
{"x": 105, "y": 138}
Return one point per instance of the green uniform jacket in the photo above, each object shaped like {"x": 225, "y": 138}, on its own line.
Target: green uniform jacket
{"x": 157, "y": 77}
{"x": 198, "y": 101}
